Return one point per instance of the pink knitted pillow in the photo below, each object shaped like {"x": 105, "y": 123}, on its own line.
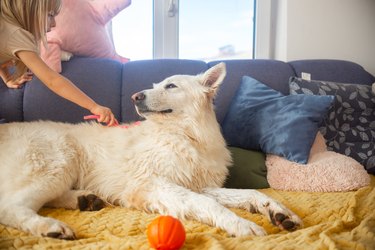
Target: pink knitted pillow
{"x": 325, "y": 171}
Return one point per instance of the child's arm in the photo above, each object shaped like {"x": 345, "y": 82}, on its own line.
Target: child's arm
{"x": 64, "y": 87}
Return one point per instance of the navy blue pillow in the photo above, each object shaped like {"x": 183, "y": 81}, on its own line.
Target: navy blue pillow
{"x": 262, "y": 118}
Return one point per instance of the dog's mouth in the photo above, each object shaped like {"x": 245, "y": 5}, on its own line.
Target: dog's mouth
{"x": 165, "y": 111}
{"x": 145, "y": 110}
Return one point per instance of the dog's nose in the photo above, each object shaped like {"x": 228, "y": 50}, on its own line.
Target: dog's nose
{"x": 137, "y": 97}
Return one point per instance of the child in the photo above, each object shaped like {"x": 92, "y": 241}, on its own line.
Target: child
{"x": 23, "y": 24}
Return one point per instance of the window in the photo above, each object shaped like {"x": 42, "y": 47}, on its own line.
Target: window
{"x": 213, "y": 29}
{"x": 188, "y": 29}
{"x": 132, "y": 30}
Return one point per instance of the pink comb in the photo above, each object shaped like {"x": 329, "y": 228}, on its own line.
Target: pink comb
{"x": 128, "y": 126}
{"x": 93, "y": 117}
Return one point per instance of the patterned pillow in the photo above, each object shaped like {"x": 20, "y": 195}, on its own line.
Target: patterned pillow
{"x": 349, "y": 127}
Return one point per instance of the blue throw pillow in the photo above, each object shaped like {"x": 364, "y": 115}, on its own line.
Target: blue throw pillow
{"x": 262, "y": 118}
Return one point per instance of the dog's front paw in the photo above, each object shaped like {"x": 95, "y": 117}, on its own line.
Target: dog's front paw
{"x": 90, "y": 202}
{"x": 55, "y": 229}
{"x": 245, "y": 228}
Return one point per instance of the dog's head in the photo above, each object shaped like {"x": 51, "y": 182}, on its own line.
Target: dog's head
{"x": 180, "y": 95}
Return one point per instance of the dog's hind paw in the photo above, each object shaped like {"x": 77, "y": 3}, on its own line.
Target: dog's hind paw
{"x": 286, "y": 222}
{"x": 90, "y": 202}
{"x": 280, "y": 216}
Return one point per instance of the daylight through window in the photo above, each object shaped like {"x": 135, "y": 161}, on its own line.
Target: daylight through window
{"x": 206, "y": 30}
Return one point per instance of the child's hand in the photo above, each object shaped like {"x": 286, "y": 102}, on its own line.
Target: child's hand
{"x": 17, "y": 83}
{"x": 105, "y": 115}
{"x": 8, "y": 78}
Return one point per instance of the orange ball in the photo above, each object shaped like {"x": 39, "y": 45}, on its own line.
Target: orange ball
{"x": 166, "y": 233}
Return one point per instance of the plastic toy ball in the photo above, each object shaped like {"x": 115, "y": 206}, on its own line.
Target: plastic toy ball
{"x": 166, "y": 233}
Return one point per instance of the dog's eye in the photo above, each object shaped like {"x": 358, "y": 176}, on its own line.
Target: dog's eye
{"x": 170, "y": 86}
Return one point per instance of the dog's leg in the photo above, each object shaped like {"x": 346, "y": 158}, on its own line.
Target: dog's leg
{"x": 33, "y": 184}
{"x": 169, "y": 198}
{"x": 256, "y": 202}
{"x": 74, "y": 199}
{"x": 20, "y": 212}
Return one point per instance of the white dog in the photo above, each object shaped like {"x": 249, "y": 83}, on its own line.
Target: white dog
{"x": 175, "y": 162}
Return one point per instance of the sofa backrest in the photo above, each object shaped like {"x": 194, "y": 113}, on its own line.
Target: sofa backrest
{"x": 98, "y": 78}
{"x": 11, "y": 103}
{"x": 111, "y": 83}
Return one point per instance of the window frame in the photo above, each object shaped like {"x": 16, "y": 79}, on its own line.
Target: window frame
{"x": 165, "y": 37}
{"x": 263, "y": 30}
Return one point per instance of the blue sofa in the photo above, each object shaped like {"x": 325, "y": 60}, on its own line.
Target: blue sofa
{"x": 111, "y": 84}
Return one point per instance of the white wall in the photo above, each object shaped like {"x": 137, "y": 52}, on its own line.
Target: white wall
{"x": 323, "y": 29}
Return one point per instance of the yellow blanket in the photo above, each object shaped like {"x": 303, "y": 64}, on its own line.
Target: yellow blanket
{"x": 332, "y": 221}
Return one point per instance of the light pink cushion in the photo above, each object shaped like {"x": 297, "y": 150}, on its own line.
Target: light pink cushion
{"x": 81, "y": 30}
{"x": 325, "y": 171}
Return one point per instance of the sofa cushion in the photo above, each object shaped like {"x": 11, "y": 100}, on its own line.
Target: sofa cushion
{"x": 349, "y": 126}
{"x": 248, "y": 170}
{"x": 262, "y": 118}
{"x": 140, "y": 75}
{"x": 273, "y": 73}
{"x": 100, "y": 79}
{"x": 11, "y": 103}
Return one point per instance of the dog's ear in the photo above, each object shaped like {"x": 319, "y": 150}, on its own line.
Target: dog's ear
{"x": 213, "y": 77}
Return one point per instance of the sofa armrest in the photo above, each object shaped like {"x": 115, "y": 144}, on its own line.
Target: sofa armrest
{"x": 333, "y": 70}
